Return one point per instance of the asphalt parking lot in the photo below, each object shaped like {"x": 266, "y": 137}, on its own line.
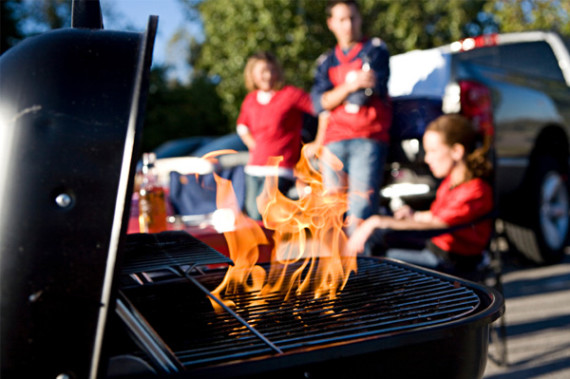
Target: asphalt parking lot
{"x": 538, "y": 321}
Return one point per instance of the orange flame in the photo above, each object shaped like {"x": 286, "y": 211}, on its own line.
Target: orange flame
{"x": 308, "y": 233}
{"x": 243, "y": 244}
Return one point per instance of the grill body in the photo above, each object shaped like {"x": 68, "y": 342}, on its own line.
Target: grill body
{"x": 391, "y": 320}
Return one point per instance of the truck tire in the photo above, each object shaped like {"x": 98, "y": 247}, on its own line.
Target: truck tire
{"x": 550, "y": 205}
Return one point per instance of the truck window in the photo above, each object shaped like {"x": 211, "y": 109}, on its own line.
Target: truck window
{"x": 485, "y": 56}
{"x": 531, "y": 58}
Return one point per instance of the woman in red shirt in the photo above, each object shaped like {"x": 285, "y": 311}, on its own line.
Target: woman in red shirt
{"x": 464, "y": 196}
{"x": 270, "y": 123}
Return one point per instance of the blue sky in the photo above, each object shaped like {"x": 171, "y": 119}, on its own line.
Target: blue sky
{"x": 171, "y": 16}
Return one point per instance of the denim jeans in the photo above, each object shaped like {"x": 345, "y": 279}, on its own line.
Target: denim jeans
{"x": 254, "y": 187}
{"x": 423, "y": 257}
{"x": 414, "y": 246}
{"x": 363, "y": 163}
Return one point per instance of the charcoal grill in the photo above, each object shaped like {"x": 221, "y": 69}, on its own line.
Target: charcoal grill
{"x": 391, "y": 320}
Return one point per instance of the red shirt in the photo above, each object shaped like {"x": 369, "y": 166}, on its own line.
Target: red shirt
{"x": 372, "y": 119}
{"x": 276, "y": 126}
{"x": 459, "y": 205}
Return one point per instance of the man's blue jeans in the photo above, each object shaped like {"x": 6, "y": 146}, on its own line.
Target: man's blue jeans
{"x": 363, "y": 167}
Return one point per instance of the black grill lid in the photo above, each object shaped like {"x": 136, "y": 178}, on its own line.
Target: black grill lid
{"x": 72, "y": 104}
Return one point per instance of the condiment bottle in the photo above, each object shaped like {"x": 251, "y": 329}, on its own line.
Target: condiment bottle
{"x": 152, "y": 206}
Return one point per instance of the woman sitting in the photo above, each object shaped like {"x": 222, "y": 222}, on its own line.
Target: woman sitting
{"x": 463, "y": 200}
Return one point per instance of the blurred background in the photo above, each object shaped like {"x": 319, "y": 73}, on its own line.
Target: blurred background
{"x": 202, "y": 45}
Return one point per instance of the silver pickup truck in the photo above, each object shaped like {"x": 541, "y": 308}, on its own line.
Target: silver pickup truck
{"x": 516, "y": 87}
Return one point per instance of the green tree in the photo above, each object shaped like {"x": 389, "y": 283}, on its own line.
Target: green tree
{"x": 177, "y": 111}
{"x": 39, "y": 16}
{"x": 293, "y": 30}
{"x": 10, "y": 32}
{"x": 296, "y": 31}
{"x": 413, "y": 24}
{"x": 45, "y": 15}
{"x": 521, "y": 15}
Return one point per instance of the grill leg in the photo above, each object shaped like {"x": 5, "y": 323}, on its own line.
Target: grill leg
{"x": 498, "y": 333}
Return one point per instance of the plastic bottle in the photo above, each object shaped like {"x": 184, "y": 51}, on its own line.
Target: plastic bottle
{"x": 152, "y": 206}
{"x": 360, "y": 97}
{"x": 366, "y": 67}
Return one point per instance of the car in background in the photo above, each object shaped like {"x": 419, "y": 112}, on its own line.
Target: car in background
{"x": 198, "y": 146}
{"x": 181, "y": 147}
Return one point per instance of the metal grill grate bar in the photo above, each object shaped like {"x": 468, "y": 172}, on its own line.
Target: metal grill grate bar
{"x": 167, "y": 250}
{"x": 382, "y": 298}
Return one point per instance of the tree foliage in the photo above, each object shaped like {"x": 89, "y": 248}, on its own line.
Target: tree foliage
{"x": 412, "y": 24}
{"x": 295, "y": 30}
{"x": 10, "y": 32}
{"x": 177, "y": 111}
{"x": 521, "y": 15}
{"x": 45, "y": 15}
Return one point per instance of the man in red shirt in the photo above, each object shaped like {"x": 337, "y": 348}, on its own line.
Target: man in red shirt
{"x": 350, "y": 93}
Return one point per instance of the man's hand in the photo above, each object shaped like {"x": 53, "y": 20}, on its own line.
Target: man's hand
{"x": 403, "y": 213}
{"x": 361, "y": 79}
{"x": 312, "y": 150}
{"x": 358, "y": 79}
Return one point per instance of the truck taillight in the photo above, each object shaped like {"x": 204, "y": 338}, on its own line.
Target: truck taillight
{"x": 474, "y": 42}
{"x": 475, "y": 102}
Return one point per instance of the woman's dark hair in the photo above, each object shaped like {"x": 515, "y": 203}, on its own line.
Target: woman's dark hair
{"x": 458, "y": 129}
{"x": 332, "y": 3}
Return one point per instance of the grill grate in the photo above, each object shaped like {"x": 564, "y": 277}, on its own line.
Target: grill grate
{"x": 163, "y": 251}
{"x": 382, "y": 299}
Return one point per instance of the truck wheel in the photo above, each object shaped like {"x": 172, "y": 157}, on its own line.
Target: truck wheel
{"x": 540, "y": 229}
{"x": 551, "y": 207}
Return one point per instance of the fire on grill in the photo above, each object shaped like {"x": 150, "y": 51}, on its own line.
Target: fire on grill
{"x": 311, "y": 312}
{"x": 390, "y": 320}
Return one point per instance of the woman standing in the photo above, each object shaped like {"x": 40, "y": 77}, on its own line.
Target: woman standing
{"x": 270, "y": 123}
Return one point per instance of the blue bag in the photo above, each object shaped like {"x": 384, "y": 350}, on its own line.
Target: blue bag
{"x": 192, "y": 194}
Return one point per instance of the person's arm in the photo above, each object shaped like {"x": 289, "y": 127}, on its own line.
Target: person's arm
{"x": 303, "y": 102}
{"x": 358, "y": 239}
{"x": 322, "y": 128}
{"x": 404, "y": 212}
{"x": 326, "y": 96}
{"x": 244, "y": 122}
{"x": 314, "y": 148}
{"x": 420, "y": 221}
{"x": 246, "y": 136}
{"x": 336, "y": 96}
